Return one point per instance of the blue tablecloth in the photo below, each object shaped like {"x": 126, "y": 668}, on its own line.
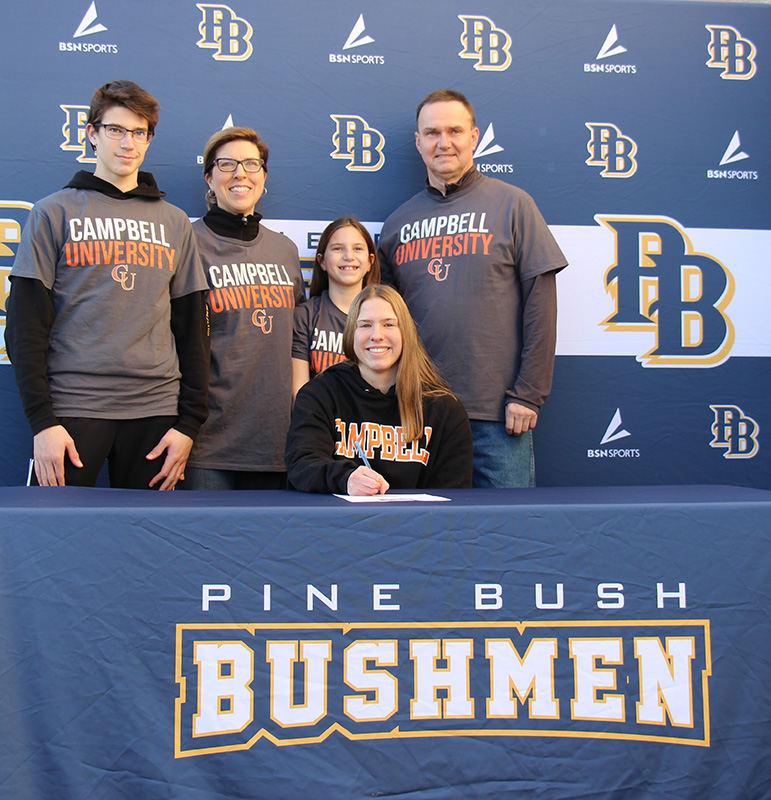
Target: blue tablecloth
{"x": 561, "y": 643}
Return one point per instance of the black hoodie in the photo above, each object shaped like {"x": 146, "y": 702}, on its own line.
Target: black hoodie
{"x": 31, "y": 315}
{"x": 339, "y": 406}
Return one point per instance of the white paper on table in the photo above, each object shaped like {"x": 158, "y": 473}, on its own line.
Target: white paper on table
{"x": 392, "y": 498}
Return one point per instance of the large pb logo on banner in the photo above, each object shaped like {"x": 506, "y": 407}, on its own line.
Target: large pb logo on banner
{"x": 13, "y": 215}
{"x": 610, "y": 149}
{"x": 356, "y": 142}
{"x": 221, "y": 30}
{"x": 74, "y": 132}
{"x": 660, "y": 284}
{"x": 484, "y": 43}
{"x": 732, "y": 53}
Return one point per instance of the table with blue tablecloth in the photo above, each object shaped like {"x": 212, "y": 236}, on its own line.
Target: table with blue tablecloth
{"x": 558, "y": 642}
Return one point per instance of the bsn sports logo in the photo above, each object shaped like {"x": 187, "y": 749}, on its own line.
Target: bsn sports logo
{"x": 735, "y": 432}
{"x": 611, "y": 150}
{"x": 356, "y": 142}
{"x": 730, "y": 52}
{"x": 88, "y": 24}
{"x": 487, "y": 147}
{"x": 733, "y": 153}
{"x": 660, "y": 284}
{"x": 484, "y": 43}
{"x": 356, "y": 38}
{"x": 615, "y": 429}
{"x": 610, "y": 48}
{"x": 13, "y": 215}
{"x": 223, "y": 31}
{"x": 613, "y": 433}
{"x": 74, "y": 132}
{"x": 87, "y": 27}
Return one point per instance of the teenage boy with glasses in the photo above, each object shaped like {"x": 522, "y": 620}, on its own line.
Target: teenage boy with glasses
{"x": 106, "y": 322}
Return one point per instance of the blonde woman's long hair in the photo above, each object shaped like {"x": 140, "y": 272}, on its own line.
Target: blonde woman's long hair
{"x": 416, "y": 375}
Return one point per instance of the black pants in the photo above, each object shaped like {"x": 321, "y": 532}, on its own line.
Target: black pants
{"x": 123, "y": 443}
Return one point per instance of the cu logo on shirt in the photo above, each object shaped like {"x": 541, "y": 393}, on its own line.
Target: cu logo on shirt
{"x": 438, "y": 269}
{"x": 262, "y": 320}
{"x": 121, "y": 275}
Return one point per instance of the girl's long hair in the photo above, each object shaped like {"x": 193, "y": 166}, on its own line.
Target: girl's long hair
{"x": 416, "y": 375}
{"x": 320, "y": 278}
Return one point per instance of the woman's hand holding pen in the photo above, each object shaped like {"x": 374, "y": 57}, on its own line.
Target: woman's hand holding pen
{"x": 364, "y": 481}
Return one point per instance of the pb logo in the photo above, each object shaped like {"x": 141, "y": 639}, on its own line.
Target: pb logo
{"x": 484, "y": 43}
{"x": 125, "y": 278}
{"x": 223, "y": 31}
{"x": 13, "y": 214}
{"x": 735, "y": 432}
{"x": 74, "y": 132}
{"x": 610, "y": 149}
{"x": 261, "y": 320}
{"x": 356, "y": 142}
{"x": 731, "y": 53}
{"x": 659, "y": 284}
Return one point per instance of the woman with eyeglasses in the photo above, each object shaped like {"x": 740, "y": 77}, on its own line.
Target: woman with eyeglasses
{"x": 255, "y": 282}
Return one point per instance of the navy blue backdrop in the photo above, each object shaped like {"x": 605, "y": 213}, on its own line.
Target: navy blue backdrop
{"x": 639, "y": 127}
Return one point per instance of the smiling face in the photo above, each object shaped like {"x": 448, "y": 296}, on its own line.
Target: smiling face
{"x": 377, "y": 343}
{"x": 446, "y": 139}
{"x": 118, "y": 160}
{"x": 239, "y": 191}
{"x": 346, "y": 259}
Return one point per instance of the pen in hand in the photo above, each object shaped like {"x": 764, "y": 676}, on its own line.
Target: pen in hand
{"x": 361, "y": 455}
{"x": 367, "y": 484}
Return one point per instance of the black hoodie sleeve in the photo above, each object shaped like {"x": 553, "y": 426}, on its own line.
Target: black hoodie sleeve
{"x": 451, "y": 445}
{"x": 310, "y": 445}
{"x": 30, "y": 316}
{"x": 190, "y": 326}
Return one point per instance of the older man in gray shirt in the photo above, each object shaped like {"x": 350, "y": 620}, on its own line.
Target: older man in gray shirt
{"x": 476, "y": 263}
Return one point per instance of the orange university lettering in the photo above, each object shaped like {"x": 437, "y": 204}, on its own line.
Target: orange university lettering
{"x": 444, "y": 246}
{"x": 107, "y": 252}
{"x": 232, "y": 298}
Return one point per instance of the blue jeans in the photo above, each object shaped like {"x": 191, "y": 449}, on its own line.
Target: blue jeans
{"x": 223, "y": 479}
{"x": 501, "y": 460}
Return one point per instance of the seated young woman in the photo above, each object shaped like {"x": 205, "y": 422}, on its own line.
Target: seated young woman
{"x": 389, "y": 400}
